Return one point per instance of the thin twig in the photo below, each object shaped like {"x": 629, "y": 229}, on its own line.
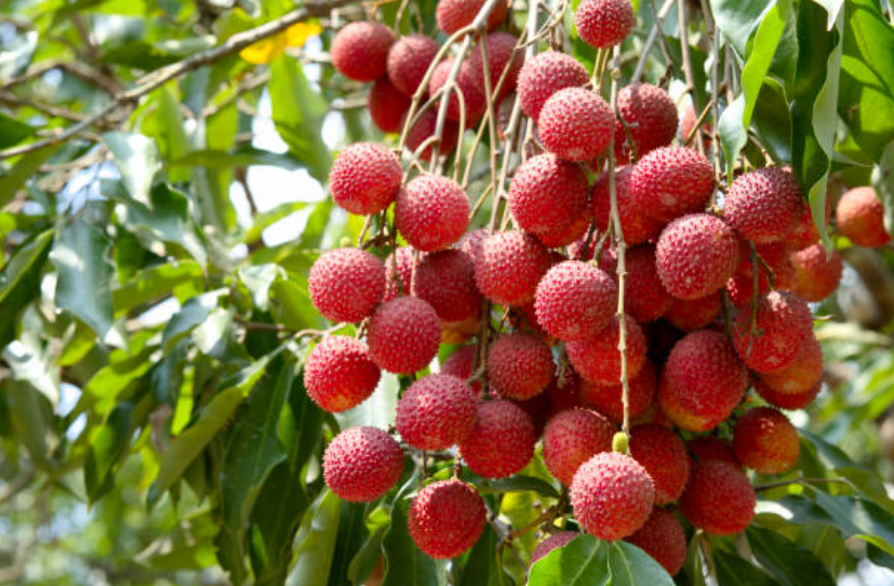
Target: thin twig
{"x": 650, "y": 41}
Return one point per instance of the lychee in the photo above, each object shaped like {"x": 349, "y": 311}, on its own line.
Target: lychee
{"x": 519, "y": 365}
{"x": 576, "y": 124}
{"x": 606, "y": 398}
{"x": 501, "y": 55}
{"x": 474, "y": 98}
{"x": 669, "y": 182}
{"x": 693, "y": 314}
{"x": 431, "y": 212}
{"x": 425, "y": 128}
{"x": 502, "y": 442}
{"x": 544, "y": 75}
{"x": 803, "y": 372}
{"x": 636, "y": 224}
{"x": 599, "y": 361}
{"x": 403, "y": 335}
{"x": 550, "y": 543}
{"x": 387, "y": 106}
{"x": 408, "y": 61}
{"x": 360, "y": 50}
{"x": 575, "y": 301}
{"x": 695, "y": 255}
{"x": 651, "y": 117}
{"x": 790, "y": 401}
{"x": 645, "y": 297}
{"x": 339, "y": 373}
{"x": 446, "y": 518}
{"x": 710, "y": 447}
{"x": 664, "y": 457}
{"x": 446, "y": 279}
{"x": 509, "y": 267}
{"x": 547, "y": 194}
{"x": 365, "y": 178}
{"x": 777, "y": 256}
{"x": 576, "y": 230}
{"x": 461, "y": 363}
{"x": 763, "y": 205}
{"x": 766, "y": 441}
{"x": 663, "y": 538}
{"x": 817, "y": 272}
{"x": 453, "y": 15}
{"x": 346, "y": 284}
{"x": 718, "y": 499}
{"x": 805, "y": 233}
{"x": 571, "y": 438}
{"x": 563, "y": 393}
{"x": 860, "y": 217}
{"x": 362, "y": 463}
{"x": 783, "y": 322}
{"x": 604, "y": 23}
{"x": 399, "y": 269}
{"x": 436, "y": 412}
{"x": 471, "y": 241}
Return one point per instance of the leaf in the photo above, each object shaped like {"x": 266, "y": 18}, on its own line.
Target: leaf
{"x": 481, "y": 568}
{"x": 17, "y": 53}
{"x": 24, "y": 169}
{"x": 153, "y": 282}
{"x": 883, "y": 181}
{"x": 518, "y": 483}
{"x": 193, "y": 313}
{"x": 258, "y": 279}
{"x": 583, "y": 561}
{"x": 772, "y": 121}
{"x": 376, "y": 411}
{"x": 12, "y": 132}
{"x": 30, "y": 420}
{"x": 734, "y": 571}
{"x": 291, "y": 304}
{"x": 84, "y": 287}
{"x": 315, "y": 542}
{"x": 266, "y": 219}
{"x": 405, "y": 564}
{"x": 243, "y": 156}
{"x": 694, "y": 565}
{"x": 789, "y": 564}
{"x": 19, "y": 280}
{"x": 137, "y": 159}
{"x": 736, "y": 20}
{"x": 352, "y": 534}
{"x": 106, "y": 449}
{"x": 631, "y": 566}
{"x": 28, "y": 361}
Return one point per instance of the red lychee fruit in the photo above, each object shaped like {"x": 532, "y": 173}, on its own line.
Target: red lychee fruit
{"x": 431, "y": 212}
{"x": 782, "y": 324}
{"x": 606, "y": 398}
{"x": 816, "y": 273}
{"x": 703, "y": 381}
{"x": 776, "y": 256}
{"x": 576, "y": 230}
{"x": 547, "y": 194}
{"x": 790, "y": 401}
{"x": 695, "y": 255}
{"x": 446, "y": 279}
{"x": 453, "y": 15}
{"x": 693, "y": 314}
{"x": 650, "y": 114}
{"x": 362, "y": 463}
{"x": 645, "y": 297}
{"x": 612, "y": 495}
{"x": 664, "y": 457}
{"x": 436, "y": 412}
{"x": 860, "y": 216}
{"x": 576, "y": 124}
{"x": 509, "y": 267}
{"x": 346, "y": 284}
{"x": 461, "y": 363}
{"x": 604, "y": 23}
{"x": 365, "y": 178}
{"x": 399, "y": 273}
{"x": 471, "y": 241}
{"x": 766, "y": 441}
{"x": 571, "y": 438}
{"x": 519, "y": 365}
{"x": 805, "y": 233}
{"x": 425, "y": 128}
{"x": 546, "y": 74}
{"x": 575, "y": 301}
{"x": 804, "y": 371}
{"x": 565, "y": 393}
{"x": 763, "y": 205}
{"x": 403, "y": 335}
{"x": 671, "y": 181}
{"x": 500, "y": 49}
{"x": 637, "y": 226}
{"x": 408, "y": 61}
{"x": 502, "y": 442}
{"x": 599, "y": 361}
{"x": 339, "y": 373}
{"x": 663, "y": 538}
{"x": 387, "y": 106}
{"x": 712, "y": 448}
{"x": 446, "y": 518}
{"x": 550, "y": 543}
{"x": 360, "y": 50}
{"x": 718, "y": 499}
{"x": 474, "y": 98}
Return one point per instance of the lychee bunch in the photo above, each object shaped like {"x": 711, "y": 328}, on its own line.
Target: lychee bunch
{"x": 763, "y": 205}
{"x": 431, "y": 212}
{"x": 695, "y": 255}
{"x": 543, "y": 76}
{"x": 662, "y": 537}
{"x": 718, "y": 498}
{"x": 446, "y": 280}
{"x": 649, "y": 115}
{"x": 502, "y": 442}
{"x": 519, "y": 365}
{"x": 669, "y": 182}
{"x": 766, "y": 441}
{"x": 346, "y": 284}
{"x": 509, "y": 267}
{"x": 365, "y": 178}
{"x": 598, "y": 360}
{"x": 360, "y": 50}
{"x": 575, "y": 301}
{"x": 339, "y": 374}
{"x": 403, "y": 335}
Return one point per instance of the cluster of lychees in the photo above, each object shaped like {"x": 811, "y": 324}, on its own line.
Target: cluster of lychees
{"x": 715, "y": 301}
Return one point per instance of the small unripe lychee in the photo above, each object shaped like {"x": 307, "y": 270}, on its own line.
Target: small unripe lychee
{"x": 403, "y": 335}
{"x": 446, "y": 518}
{"x": 519, "y": 365}
{"x": 431, "y": 212}
{"x": 763, "y": 205}
{"x": 672, "y": 181}
{"x": 436, "y": 412}
{"x": 550, "y": 543}
{"x": 637, "y": 225}
{"x": 604, "y": 23}
{"x": 576, "y": 124}
{"x": 502, "y": 442}
{"x": 711, "y": 447}
{"x": 339, "y": 373}
{"x": 606, "y": 398}
{"x": 575, "y": 301}
{"x": 346, "y": 284}
{"x": 453, "y": 15}
{"x": 365, "y": 178}
{"x": 362, "y": 463}
{"x": 695, "y": 255}
{"x": 719, "y": 498}
{"x": 509, "y": 267}
{"x": 446, "y": 279}
{"x": 599, "y": 361}
{"x": 571, "y": 438}
{"x": 790, "y": 401}
{"x": 546, "y": 74}
{"x": 817, "y": 273}
{"x": 360, "y": 50}
{"x": 766, "y": 441}
{"x": 860, "y": 217}
{"x": 387, "y": 106}
{"x": 693, "y": 314}
{"x": 474, "y": 98}
{"x": 663, "y": 538}
{"x": 425, "y": 128}
{"x": 664, "y": 457}
{"x": 783, "y": 323}
{"x": 651, "y": 116}
{"x": 804, "y": 371}
{"x": 409, "y": 59}
{"x": 547, "y": 194}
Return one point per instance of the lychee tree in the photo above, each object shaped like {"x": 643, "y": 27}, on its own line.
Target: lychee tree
{"x": 468, "y": 292}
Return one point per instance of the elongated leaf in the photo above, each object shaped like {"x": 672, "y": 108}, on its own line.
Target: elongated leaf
{"x": 239, "y": 157}
{"x": 193, "y": 313}
{"x": 137, "y": 159}
{"x": 734, "y": 571}
{"x": 376, "y": 411}
{"x": 315, "y": 542}
{"x": 405, "y": 564}
{"x": 266, "y": 219}
{"x": 519, "y": 483}
{"x": 481, "y": 568}
{"x": 789, "y": 564}
{"x": 772, "y": 121}
{"x": 18, "y": 281}
{"x": 631, "y": 566}
{"x": 153, "y": 282}
{"x": 28, "y": 361}
{"x": 352, "y": 534}
{"x": 736, "y": 20}
{"x": 258, "y": 279}
{"x": 583, "y": 561}
{"x": 12, "y": 132}
{"x": 883, "y": 181}
{"x": 106, "y": 450}
{"x": 30, "y": 420}
{"x": 291, "y": 304}
{"x": 24, "y": 169}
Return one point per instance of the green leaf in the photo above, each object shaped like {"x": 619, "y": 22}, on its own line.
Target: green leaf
{"x": 405, "y": 564}
{"x": 352, "y": 534}
{"x": 193, "y": 313}
{"x": 106, "y": 450}
{"x": 266, "y": 219}
{"x": 19, "y": 280}
{"x": 883, "y": 181}
{"x": 315, "y": 542}
{"x": 153, "y": 282}
{"x": 12, "y": 132}
{"x": 734, "y": 571}
{"x": 736, "y": 20}
{"x": 30, "y": 419}
{"x": 694, "y": 568}
{"x": 583, "y": 561}
{"x": 631, "y": 566}
{"x": 139, "y": 55}
{"x": 28, "y": 361}
{"x": 137, "y": 159}
{"x": 259, "y": 279}
{"x": 376, "y": 411}
{"x": 24, "y": 169}
{"x": 790, "y": 564}
{"x": 772, "y": 121}
{"x": 481, "y": 568}
{"x": 369, "y": 554}
{"x": 243, "y": 156}
{"x": 518, "y": 483}
{"x": 292, "y": 306}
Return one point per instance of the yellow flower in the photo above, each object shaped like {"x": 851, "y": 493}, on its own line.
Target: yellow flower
{"x": 266, "y": 50}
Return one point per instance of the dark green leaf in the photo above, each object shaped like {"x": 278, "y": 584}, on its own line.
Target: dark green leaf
{"x": 12, "y": 132}
{"x": 19, "y": 280}
{"x": 151, "y": 283}
{"x": 734, "y": 571}
{"x": 883, "y": 181}
{"x": 481, "y": 568}
{"x": 291, "y": 305}
{"x": 315, "y": 542}
{"x": 106, "y": 450}
{"x": 772, "y": 121}
{"x": 24, "y": 169}
{"x": 405, "y": 564}
{"x": 583, "y": 561}
{"x": 30, "y": 419}
{"x": 193, "y": 313}
{"x": 631, "y": 566}
{"x": 790, "y": 564}
{"x": 519, "y": 483}
{"x": 137, "y": 159}
{"x": 352, "y": 533}
{"x": 736, "y": 20}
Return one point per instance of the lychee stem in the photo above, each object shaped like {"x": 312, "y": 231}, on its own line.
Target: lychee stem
{"x": 654, "y": 34}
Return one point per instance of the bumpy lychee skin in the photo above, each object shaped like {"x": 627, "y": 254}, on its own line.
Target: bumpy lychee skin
{"x": 446, "y": 518}
{"x": 763, "y": 205}
{"x": 461, "y": 363}
{"x": 651, "y": 116}
{"x": 664, "y": 457}
{"x": 804, "y": 371}
{"x": 436, "y": 412}
{"x": 360, "y": 50}
{"x": 339, "y": 373}
{"x": 365, "y": 178}
{"x": 399, "y": 268}
{"x": 695, "y": 255}
{"x": 403, "y": 335}
{"x": 519, "y": 365}
{"x": 816, "y": 274}
{"x": 547, "y": 194}
{"x": 693, "y": 314}
{"x": 719, "y": 498}
{"x": 805, "y": 233}
{"x": 453, "y": 15}
{"x": 612, "y": 496}
{"x": 387, "y": 106}
{"x": 409, "y": 59}
{"x": 860, "y": 216}
{"x": 604, "y": 23}
{"x": 509, "y": 267}
{"x": 789, "y": 401}
{"x": 550, "y": 543}
{"x": 711, "y": 448}
{"x": 346, "y": 284}
{"x": 446, "y": 279}
{"x": 663, "y": 538}
{"x": 474, "y": 97}
{"x": 638, "y": 227}
{"x": 766, "y": 441}
{"x": 671, "y": 181}
{"x": 775, "y": 255}
{"x": 575, "y": 124}
{"x": 502, "y": 442}
{"x": 362, "y": 463}
{"x": 575, "y": 301}
{"x": 599, "y": 361}
{"x": 703, "y": 381}
{"x": 576, "y": 230}
{"x": 544, "y": 75}
{"x": 425, "y": 128}
{"x": 431, "y": 212}
{"x": 784, "y": 322}
{"x": 606, "y": 398}
{"x": 500, "y": 47}
{"x": 571, "y": 438}
{"x": 645, "y": 297}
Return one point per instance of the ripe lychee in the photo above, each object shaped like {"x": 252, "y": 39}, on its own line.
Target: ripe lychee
{"x": 695, "y": 255}
{"x": 783, "y": 322}
{"x": 436, "y": 412}
{"x": 703, "y": 381}
{"x": 671, "y": 181}
{"x": 637, "y": 226}
{"x": 645, "y": 297}
{"x": 453, "y": 15}
{"x": 612, "y": 495}
{"x": 446, "y": 279}
{"x": 576, "y": 124}
{"x": 471, "y": 241}
{"x": 805, "y": 233}
{"x": 571, "y": 438}
{"x": 693, "y": 314}
{"x": 575, "y": 301}
{"x": 547, "y": 194}
{"x": 766, "y": 441}
{"x": 550, "y": 543}
{"x": 399, "y": 269}
{"x": 365, "y": 178}
{"x": 777, "y": 256}
{"x": 790, "y": 401}
{"x": 519, "y": 365}
{"x": 403, "y": 335}
{"x": 502, "y": 442}
{"x": 409, "y": 59}
{"x": 446, "y": 518}
{"x": 817, "y": 273}
{"x": 362, "y": 463}
{"x": 339, "y": 373}
{"x": 474, "y": 98}
{"x": 431, "y": 212}
{"x": 576, "y": 230}
{"x": 764, "y": 205}
{"x": 710, "y": 447}
{"x": 804, "y": 371}
{"x": 663, "y": 538}
{"x": 425, "y": 128}
{"x": 663, "y": 454}
{"x": 544, "y": 75}
{"x": 718, "y": 499}
{"x": 509, "y": 267}
{"x": 606, "y": 398}
{"x": 346, "y": 284}
{"x": 599, "y": 361}
{"x": 651, "y": 116}
{"x": 360, "y": 50}
{"x": 604, "y": 23}
{"x": 461, "y": 363}
{"x": 387, "y": 106}
{"x": 564, "y": 393}
{"x": 501, "y": 55}
{"x": 860, "y": 216}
